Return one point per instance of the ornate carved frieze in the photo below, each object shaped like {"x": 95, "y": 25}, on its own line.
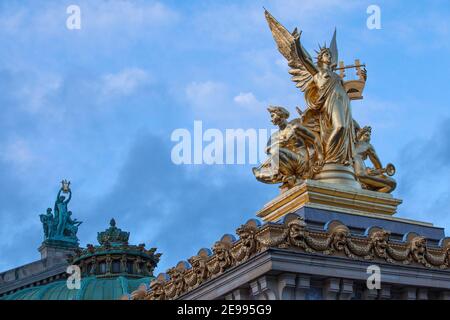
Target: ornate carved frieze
{"x": 293, "y": 234}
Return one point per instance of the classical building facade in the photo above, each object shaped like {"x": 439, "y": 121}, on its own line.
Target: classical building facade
{"x": 323, "y": 247}
{"x": 318, "y": 242}
{"x": 331, "y": 234}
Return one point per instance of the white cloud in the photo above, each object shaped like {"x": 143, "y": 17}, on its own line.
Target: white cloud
{"x": 11, "y": 21}
{"x": 248, "y": 100}
{"x": 213, "y": 101}
{"x": 37, "y": 89}
{"x": 123, "y": 83}
{"x": 206, "y": 95}
{"x": 18, "y": 153}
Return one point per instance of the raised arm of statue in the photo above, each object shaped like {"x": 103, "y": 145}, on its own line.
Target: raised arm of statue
{"x": 56, "y": 209}
{"x": 303, "y": 56}
{"x": 58, "y": 195}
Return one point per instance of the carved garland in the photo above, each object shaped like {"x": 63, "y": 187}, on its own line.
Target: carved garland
{"x": 292, "y": 234}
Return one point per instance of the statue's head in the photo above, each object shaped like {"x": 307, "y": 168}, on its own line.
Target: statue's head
{"x": 324, "y": 57}
{"x": 364, "y": 134}
{"x": 61, "y": 198}
{"x": 49, "y": 210}
{"x": 278, "y": 114}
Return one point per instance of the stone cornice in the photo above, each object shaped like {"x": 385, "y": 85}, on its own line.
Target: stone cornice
{"x": 294, "y": 235}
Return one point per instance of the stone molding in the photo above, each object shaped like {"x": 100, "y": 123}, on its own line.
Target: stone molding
{"x": 293, "y": 234}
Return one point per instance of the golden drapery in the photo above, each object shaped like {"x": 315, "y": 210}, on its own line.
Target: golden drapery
{"x": 329, "y": 112}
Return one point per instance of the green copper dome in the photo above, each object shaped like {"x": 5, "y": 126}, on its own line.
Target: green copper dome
{"x": 110, "y": 270}
{"x": 114, "y": 256}
{"x": 92, "y": 288}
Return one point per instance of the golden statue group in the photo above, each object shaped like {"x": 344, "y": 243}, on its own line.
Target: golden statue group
{"x": 325, "y": 143}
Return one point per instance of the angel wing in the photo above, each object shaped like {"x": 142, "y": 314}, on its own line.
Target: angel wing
{"x": 300, "y": 62}
{"x": 334, "y": 51}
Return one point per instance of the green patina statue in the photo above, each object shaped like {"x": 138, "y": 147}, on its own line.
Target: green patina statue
{"x": 59, "y": 225}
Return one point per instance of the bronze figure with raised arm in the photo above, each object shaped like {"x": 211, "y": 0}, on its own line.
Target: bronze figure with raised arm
{"x": 61, "y": 210}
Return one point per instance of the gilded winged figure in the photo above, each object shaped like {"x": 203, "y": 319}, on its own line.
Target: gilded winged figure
{"x": 328, "y": 111}
{"x": 322, "y": 143}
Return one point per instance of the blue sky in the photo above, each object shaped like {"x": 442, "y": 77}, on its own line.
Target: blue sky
{"x": 98, "y": 105}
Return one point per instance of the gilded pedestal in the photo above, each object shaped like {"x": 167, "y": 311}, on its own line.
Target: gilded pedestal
{"x": 338, "y": 174}
{"x": 328, "y": 196}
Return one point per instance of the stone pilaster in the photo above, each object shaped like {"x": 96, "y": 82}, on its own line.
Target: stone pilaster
{"x": 303, "y": 284}
{"x": 287, "y": 286}
{"x": 265, "y": 288}
{"x": 409, "y": 293}
{"x": 268, "y": 286}
{"x": 255, "y": 290}
{"x": 238, "y": 294}
{"x": 331, "y": 289}
{"x": 346, "y": 290}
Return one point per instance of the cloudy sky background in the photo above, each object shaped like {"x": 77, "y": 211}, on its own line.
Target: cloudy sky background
{"x": 98, "y": 105}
